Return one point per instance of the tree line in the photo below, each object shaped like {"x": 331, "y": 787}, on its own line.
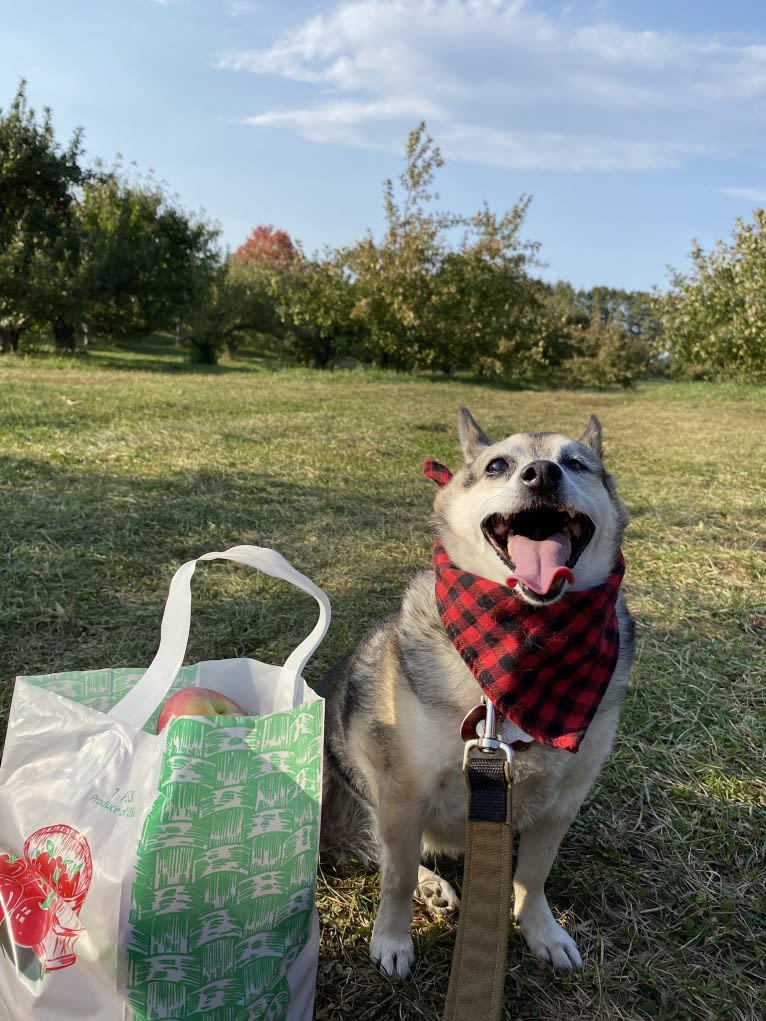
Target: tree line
{"x": 102, "y": 252}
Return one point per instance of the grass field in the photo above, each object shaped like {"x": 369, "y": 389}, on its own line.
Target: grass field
{"x": 118, "y": 466}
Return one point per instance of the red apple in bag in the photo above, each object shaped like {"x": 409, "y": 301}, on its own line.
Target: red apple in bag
{"x": 198, "y": 702}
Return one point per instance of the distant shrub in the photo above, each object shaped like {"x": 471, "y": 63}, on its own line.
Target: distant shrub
{"x": 603, "y": 355}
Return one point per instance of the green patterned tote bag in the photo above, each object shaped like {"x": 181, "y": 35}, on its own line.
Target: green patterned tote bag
{"x": 169, "y": 875}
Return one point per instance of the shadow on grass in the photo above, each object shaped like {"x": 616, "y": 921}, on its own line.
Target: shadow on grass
{"x": 156, "y": 353}
{"x": 160, "y": 354}
{"x": 89, "y": 555}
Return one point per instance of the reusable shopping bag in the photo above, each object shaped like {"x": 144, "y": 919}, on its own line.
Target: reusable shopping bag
{"x": 164, "y": 876}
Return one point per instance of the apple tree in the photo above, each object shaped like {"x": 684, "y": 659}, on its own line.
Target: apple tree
{"x": 442, "y": 290}
{"x": 715, "y": 315}
{"x": 39, "y": 187}
{"x": 316, "y": 302}
{"x": 143, "y": 259}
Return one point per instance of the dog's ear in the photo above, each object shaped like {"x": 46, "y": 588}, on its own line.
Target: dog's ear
{"x": 592, "y": 435}
{"x": 471, "y": 437}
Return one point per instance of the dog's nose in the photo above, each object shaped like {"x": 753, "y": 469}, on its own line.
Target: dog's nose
{"x": 541, "y": 475}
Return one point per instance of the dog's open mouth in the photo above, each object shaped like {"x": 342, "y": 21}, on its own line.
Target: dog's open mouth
{"x": 540, "y": 547}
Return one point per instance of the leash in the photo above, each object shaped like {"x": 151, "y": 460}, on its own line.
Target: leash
{"x": 477, "y": 977}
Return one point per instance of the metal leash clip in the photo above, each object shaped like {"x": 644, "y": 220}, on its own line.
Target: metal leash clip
{"x": 487, "y": 741}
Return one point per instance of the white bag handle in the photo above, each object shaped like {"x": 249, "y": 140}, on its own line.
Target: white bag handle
{"x": 137, "y": 706}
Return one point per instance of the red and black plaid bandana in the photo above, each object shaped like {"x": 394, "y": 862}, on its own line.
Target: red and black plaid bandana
{"x": 545, "y": 668}
{"x": 438, "y": 473}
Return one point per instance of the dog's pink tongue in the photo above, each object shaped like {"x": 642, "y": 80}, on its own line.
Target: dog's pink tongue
{"x": 540, "y": 564}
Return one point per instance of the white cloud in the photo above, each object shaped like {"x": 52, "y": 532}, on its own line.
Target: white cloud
{"x": 561, "y": 151}
{"x": 503, "y": 82}
{"x": 339, "y": 121}
{"x": 241, "y": 8}
{"x": 756, "y": 195}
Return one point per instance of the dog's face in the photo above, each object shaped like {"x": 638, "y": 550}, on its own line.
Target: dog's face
{"x": 536, "y": 511}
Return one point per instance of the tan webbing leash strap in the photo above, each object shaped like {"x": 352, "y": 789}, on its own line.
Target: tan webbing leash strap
{"x": 477, "y": 977}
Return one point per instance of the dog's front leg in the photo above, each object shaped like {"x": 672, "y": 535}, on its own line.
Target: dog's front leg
{"x": 391, "y": 947}
{"x": 538, "y": 847}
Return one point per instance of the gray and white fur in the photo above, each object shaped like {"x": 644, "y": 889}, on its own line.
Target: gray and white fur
{"x": 394, "y": 784}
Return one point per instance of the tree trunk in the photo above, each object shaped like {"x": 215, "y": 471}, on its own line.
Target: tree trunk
{"x": 64, "y": 336}
{"x": 9, "y": 338}
{"x": 202, "y": 351}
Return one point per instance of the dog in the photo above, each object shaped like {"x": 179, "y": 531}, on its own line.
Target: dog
{"x": 537, "y": 517}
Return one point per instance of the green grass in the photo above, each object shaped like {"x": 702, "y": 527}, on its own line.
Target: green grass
{"x": 111, "y": 478}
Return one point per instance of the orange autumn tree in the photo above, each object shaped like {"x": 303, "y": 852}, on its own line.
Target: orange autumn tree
{"x": 266, "y": 244}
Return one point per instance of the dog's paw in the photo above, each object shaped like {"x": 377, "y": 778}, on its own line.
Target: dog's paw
{"x": 394, "y": 957}
{"x": 553, "y": 945}
{"x": 435, "y": 894}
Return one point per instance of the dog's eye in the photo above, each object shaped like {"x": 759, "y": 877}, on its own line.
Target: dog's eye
{"x": 497, "y": 466}
{"x": 575, "y": 464}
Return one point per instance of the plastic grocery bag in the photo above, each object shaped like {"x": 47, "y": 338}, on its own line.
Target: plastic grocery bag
{"x": 168, "y": 876}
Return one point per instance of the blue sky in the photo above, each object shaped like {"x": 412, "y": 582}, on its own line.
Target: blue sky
{"x": 636, "y": 127}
